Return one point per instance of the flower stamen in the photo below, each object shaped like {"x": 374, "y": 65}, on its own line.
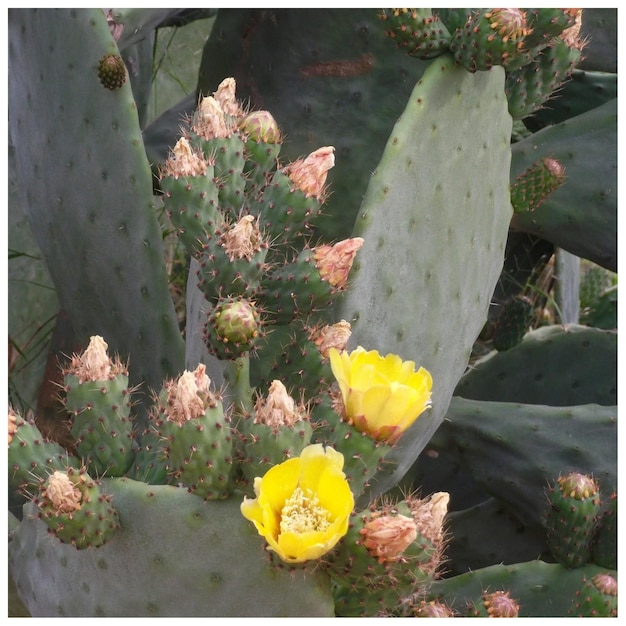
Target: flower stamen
{"x": 303, "y": 514}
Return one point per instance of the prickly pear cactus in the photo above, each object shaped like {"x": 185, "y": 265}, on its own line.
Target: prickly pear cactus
{"x": 338, "y": 431}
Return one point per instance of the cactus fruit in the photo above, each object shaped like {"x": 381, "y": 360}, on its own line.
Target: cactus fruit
{"x": 597, "y": 597}
{"x": 280, "y": 429}
{"x": 402, "y": 542}
{"x": 111, "y": 71}
{"x": 74, "y": 508}
{"x": 196, "y": 437}
{"x": 572, "y": 519}
{"x": 98, "y": 398}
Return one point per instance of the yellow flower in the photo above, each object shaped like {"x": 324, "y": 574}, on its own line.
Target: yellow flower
{"x": 303, "y": 505}
{"x": 382, "y": 396}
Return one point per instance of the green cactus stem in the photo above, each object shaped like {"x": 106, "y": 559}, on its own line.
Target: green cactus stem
{"x": 513, "y": 322}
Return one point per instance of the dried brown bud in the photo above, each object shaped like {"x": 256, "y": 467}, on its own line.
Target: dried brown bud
{"x": 571, "y": 35}
{"x": 335, "y": 262}
{"x": 184, "y": 161}
{"x": 61, "y": 493}
{"x": 243, "y": 240}
{"x": 94, "y": 363}
{"x": 209, "y": 121}
{"x": 190, "y": 396}
{"x": 225, "y": 97}
{"x": 386, "y": 537}
{"x": 309, "y": 174}
{"x": 332, "y": 336}
{"x": 278, "y": 408}
{"x": 429, "y": 514}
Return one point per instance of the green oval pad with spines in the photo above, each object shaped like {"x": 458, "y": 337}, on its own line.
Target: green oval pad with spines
{"x": 87, "y": 187}
{"x": 172, "y": 557}
{"x": 435, "y": 220}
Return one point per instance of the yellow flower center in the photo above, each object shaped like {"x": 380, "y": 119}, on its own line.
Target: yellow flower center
{"x": 302, "y": 514}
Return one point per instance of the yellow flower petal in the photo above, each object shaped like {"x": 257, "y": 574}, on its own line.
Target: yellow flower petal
{"x": 303, "y": 505}
{"x": 382, "y": 396}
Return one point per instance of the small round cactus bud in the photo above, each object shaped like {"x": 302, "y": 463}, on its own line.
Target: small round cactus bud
{"x": 309, "y": 174}
{"x": 500, "y": 604}
{"x": 261, "y": 126}
{"x": 112, "y": 71}
{"x": 232, "y": 328}
{"x": 386, "y": 537}
{"x": 335, "y": 262}
{"x": 577, "y": 486}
